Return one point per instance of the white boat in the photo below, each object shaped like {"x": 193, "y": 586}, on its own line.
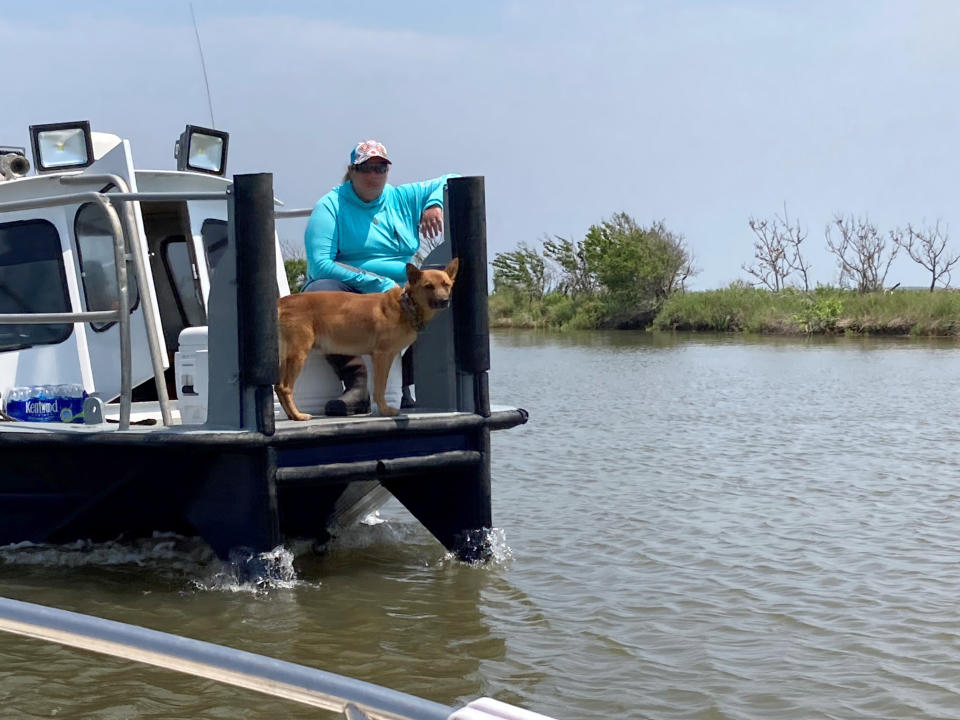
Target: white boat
{"x": 155, "y": 290}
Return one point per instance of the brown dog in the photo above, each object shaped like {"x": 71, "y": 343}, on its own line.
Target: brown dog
{"x": 346, "y": 323}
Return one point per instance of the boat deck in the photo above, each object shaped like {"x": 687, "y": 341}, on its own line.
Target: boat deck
{"x": 145, "y": 420}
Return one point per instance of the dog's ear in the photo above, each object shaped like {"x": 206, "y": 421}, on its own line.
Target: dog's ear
{"x": 413, "y": 274}
{"x": 451, "y": 268}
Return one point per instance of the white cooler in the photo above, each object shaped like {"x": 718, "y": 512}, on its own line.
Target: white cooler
{"x": 192, "y": 373}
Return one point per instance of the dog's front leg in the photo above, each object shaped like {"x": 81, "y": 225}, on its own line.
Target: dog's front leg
{"x": 381, "y": 370}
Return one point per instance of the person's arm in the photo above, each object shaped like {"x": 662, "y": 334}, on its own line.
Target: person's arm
{"x": 427, "y": 198}
{"x": 435, "y": 190}
{"x": 320, "y": 242}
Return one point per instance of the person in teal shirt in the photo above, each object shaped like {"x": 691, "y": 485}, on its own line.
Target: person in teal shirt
{"x": 359, "y": 238}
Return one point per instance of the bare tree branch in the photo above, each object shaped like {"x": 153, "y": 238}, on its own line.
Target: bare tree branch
{"x": 928, "y": 247}
{"x": 291, "y": 250}
{"x": 776, "y": 251}
{"x": 861, "y": 253}
{"x": 794, "y": 237}
{"x": 770, "y": 252}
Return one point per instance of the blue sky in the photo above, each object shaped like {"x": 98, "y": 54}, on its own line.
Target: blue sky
{"x": 701, "y": 114}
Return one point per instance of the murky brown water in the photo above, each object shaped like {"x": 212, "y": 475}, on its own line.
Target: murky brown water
{"x": 692, "y": 528}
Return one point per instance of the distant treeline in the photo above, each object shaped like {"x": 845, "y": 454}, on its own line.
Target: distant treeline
{"x": 624, "y": 275}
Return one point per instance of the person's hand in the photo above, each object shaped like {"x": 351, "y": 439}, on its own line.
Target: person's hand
{"x": 431, "y": 222}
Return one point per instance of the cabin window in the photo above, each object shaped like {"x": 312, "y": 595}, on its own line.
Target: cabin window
{"x": 97, "y": 267}
{"x": 214, "y": 234}
{"x": 32, "y": 279}
{"x": 176, "y": 261}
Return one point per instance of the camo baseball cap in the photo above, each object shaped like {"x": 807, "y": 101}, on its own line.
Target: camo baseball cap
{"x": 366, "y": 150}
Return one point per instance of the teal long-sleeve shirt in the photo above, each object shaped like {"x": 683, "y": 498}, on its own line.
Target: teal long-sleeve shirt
{"x": 367, "y": 245}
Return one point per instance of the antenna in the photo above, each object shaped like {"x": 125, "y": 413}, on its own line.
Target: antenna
{"x": 203, "y": 66}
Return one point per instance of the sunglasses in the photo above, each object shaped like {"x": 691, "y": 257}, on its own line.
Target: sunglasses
{"x": 367, "y": 167}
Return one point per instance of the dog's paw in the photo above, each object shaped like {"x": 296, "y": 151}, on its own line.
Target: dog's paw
{"x": 388, "y": 411}
{"x": 301, "y": 416}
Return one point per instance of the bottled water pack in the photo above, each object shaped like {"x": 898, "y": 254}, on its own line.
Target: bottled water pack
{"x": 46, "y": 403}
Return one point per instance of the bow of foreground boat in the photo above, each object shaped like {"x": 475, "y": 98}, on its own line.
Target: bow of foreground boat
{"x": 355, "y": 699}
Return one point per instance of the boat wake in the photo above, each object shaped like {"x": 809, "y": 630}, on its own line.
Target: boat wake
{"x": 189, "y": 562}
{"x": 174, "y": 552}
{"x": 165, "y": 555}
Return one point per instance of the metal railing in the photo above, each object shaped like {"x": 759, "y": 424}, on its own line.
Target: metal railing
{"x": 298, "y": 213}
{"x": 356, "y": 699}
{"x": 119, "y": 230}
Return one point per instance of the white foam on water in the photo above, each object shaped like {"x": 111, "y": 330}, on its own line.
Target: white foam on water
{"x": 502, "y": 554}
{"x": 254, "y": 573}
{"x": 162, "y": 548}
{"x": 168, "y": 554}
{"x": 496, "y": 541}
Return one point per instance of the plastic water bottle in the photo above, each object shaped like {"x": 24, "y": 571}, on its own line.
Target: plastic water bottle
{"x": 15, "y": 404}
{"x": 69, "y": 399}
{"x": 46, "y": 403}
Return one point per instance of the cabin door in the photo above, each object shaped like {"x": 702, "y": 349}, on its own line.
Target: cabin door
{"x": 98, "y": 279}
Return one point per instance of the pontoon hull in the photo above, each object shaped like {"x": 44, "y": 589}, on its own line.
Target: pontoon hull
{"x": 246, "y": 489}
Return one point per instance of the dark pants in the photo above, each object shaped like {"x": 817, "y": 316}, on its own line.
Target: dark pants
{"x": 327, "y": 284}
{"x": 321, "y": 284}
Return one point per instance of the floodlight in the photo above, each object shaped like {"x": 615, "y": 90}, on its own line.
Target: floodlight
{"x": 59, "y": 146}
{"x": 202, "y": 150}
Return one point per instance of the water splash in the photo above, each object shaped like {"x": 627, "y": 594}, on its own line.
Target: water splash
{"x": 501, "y": 553}
{"x": 483, "y": 548}
{"x": 250, "y": 572}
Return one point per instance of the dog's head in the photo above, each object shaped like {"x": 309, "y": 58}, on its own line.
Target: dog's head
{"x": 431, "y": 288}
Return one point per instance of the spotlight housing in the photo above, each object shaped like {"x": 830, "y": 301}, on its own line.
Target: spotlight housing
{"x": 61, "y": 146}
{"x": 202, "y": 149}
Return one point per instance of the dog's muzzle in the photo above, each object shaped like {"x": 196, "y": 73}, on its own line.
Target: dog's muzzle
{"x": 439, "y": 304}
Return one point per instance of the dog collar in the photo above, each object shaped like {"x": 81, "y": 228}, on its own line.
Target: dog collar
{"x": 411, "y": 311}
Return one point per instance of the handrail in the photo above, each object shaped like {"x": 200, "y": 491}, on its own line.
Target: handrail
{"x": 277, "y": 678}
{"x": 302, "y": 212}
{"x": 173, "y": 196}
{"x": 123, "y": 297}
{"x": 309, "y": 686}
{"x": 42, "y": 318}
